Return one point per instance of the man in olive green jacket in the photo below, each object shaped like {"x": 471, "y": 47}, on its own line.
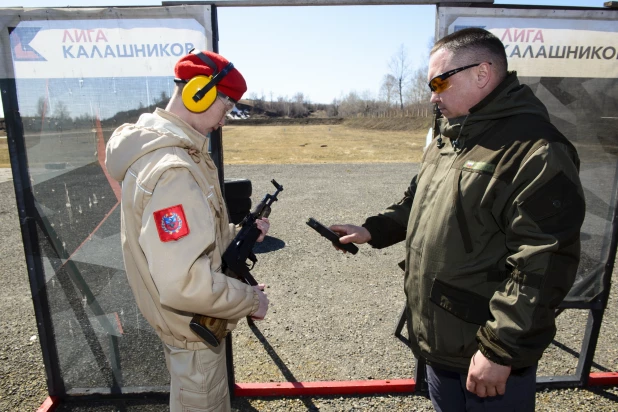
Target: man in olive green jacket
{"x": 491, "y": 223}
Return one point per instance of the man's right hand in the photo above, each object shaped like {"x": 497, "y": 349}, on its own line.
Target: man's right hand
{"x": 260, "y": 313}
{"x": 351, "y": 234}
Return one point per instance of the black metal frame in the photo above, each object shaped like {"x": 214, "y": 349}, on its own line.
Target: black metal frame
{"x": 216, "y": 145}
{"x": 31, "y": 222}
{"x": 216, "y": 138}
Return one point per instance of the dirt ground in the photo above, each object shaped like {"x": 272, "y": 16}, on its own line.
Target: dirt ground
{"x": 335, "y": 173}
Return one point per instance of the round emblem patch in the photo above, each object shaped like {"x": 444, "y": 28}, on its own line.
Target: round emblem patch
{"x": 171, "y": 223}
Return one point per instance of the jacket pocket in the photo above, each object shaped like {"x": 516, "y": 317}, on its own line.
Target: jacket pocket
{"x": 214, "y": 398}
{"x": 557, "y": 202}
{"x": 467, "y": 306}
{"x": 193, "y": 401}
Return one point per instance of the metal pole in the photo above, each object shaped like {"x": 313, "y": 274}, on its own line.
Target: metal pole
{"x": 216, "y": 148}
{"x": 216, "y": 136}
{"x": 27, "y": 222}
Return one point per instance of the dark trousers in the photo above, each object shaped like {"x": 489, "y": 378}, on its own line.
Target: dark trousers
{"x": 448, "y": 393}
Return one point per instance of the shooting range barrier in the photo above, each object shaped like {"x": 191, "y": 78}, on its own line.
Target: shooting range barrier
{"x": 70, "y": 76}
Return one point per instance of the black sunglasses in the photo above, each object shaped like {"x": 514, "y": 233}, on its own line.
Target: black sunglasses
{"x": 440, "y": 83}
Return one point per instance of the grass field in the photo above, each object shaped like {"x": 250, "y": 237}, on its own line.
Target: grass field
{"x": 341, "y": 143}
{"x": 4, "y": 152}
{"x": 319, "y": 144}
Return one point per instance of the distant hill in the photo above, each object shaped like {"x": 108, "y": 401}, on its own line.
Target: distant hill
{"x": 281, "y": 121}
{"x": 411, "y": 124}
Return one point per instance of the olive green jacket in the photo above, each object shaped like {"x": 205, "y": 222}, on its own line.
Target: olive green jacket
{"x": 491, "y": 225}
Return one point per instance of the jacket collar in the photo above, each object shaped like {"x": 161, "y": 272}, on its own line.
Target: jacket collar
{"x": 198, "y": 140}
{"x": 509, "y": 98}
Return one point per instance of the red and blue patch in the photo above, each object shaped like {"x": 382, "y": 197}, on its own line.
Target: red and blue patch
{"x": 171, "y": 223}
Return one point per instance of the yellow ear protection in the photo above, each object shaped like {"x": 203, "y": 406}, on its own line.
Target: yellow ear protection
{"x": 200, "y": 92}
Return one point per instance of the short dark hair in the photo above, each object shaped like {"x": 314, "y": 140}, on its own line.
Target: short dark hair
{"x": 474, "y": 45}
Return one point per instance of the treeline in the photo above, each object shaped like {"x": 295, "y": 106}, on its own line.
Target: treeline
{"x": 59, "y": 119}
{"x": 351, "y": 105}
{"x": 403, "y": 92}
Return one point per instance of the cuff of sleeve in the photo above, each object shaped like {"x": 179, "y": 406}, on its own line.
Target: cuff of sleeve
{"x": 374, "y": 228}
{"x": 384, "y": 231}
{"x": 256, "y": 303}
{"x": 485, "y": 338}
{"x": 231, "y": 324}
{"x": 489, "y": 354}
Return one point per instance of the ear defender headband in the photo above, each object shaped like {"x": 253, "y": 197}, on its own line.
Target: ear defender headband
{"x": 200, "y": 92}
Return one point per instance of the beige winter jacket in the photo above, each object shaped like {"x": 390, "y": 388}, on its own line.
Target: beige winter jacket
{"x": 174, "y": 271}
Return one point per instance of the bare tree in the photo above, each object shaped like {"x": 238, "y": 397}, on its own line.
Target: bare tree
{"x": 358, "y": 104}
{"x": 418, "y": 92}
{"x": 388, "y": 89}
{"x": 41, "y": 107}
{"x": 283, "y": 106}
{"x": 258, "y": 102}
{"x": 399, "y": 68}
{"x": 333, "y": 110}
{"x": 351, "y": 105}
{"x": 299, "y": 109}
{"x": 61, "y": 113}
{"x": 263, "y": 100}
{"x": 163, "y": 98}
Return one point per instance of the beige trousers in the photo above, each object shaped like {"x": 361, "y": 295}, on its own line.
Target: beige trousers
{"x": 198, "y": 379}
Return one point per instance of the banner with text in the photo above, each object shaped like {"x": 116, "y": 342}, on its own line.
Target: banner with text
{"x": 102, "y": 48}
{"x": 544, "y": 47}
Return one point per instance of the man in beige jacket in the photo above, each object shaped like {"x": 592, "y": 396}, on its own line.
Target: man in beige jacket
{"x": 175, "y": 227}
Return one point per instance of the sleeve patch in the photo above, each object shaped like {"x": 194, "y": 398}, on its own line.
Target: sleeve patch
{"x": 171, "y": 223}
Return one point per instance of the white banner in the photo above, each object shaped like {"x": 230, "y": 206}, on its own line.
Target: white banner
{"x": 548, "y": 47}
{"x": 102, "y": 48}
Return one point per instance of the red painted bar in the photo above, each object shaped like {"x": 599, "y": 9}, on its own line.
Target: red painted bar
{"x": 603, "y": 378}
{"x": 49, "y": 405}
{"x": 339, "y": 388}
{"x": 325, "y": 388}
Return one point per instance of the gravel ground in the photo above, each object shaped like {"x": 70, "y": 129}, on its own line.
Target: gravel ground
{"x": 331, "y": 315}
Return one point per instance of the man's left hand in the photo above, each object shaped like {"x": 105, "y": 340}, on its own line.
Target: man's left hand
{"x": 486, "y": 378}
{"x": 263, "y": 224}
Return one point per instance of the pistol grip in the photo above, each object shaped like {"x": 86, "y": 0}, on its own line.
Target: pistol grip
{"x": 211, "y": 330}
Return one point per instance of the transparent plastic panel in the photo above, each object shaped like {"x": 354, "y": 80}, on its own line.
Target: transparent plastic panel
{"x": 78, "y": 77}
{"x": 568, "y": 58}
